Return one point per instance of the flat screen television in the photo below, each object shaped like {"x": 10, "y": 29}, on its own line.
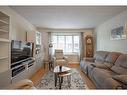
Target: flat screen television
{"x": 21, "y": 50}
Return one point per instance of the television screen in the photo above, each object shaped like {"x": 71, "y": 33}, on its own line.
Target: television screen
{"x": 21, "y": 50}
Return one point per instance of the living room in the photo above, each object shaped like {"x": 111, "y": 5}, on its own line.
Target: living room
{"x": 30, "y": 37}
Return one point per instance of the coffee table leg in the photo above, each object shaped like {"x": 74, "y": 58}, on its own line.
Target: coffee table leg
{"x": 61, "y": 79}
{"x": 55, "y": 80}
{"x": 49, "y": 65}
{"x": 60, "y": 82}
{"x": 70, "y": 81}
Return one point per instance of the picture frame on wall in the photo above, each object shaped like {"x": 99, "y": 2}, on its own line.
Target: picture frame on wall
{"x": 118, "y": 33}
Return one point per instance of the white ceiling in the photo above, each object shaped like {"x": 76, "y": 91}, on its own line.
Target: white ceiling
{"x": 68, "y": 17}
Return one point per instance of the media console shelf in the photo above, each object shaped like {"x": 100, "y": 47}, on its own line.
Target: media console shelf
{"x": 22, "y": 65}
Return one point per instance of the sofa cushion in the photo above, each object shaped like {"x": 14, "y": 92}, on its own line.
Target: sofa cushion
{"x": 123, "y": 65}
{"x": 108, "y": 65}
{"x": 121, "y": 78}
{"x": 99, "y": 76}
{"x": 100, "y": 56}
{"x": 122, "y": 60}
{"x": 112, "y": 57}
{"x": 90, "y": 67}
{"x": 120, "y": 66}
{"x": 110, "y": 83}
{"x": 105, "y": 65}
{"x": 119, "y": 70}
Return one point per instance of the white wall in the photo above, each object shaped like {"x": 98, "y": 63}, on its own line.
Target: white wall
{"x": 72, "y": 58}
{"x": 18, "y": 25}
{"x": 103, "y": 34}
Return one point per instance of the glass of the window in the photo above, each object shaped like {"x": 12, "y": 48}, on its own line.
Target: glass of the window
{"x": 68, "y": 44}
{"x": 61, "y": 42}
{"x": 76, "y": 43}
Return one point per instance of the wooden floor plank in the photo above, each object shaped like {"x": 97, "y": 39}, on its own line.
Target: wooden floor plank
{"x": 88, "y": 82}
{"x": 39, "y": 74}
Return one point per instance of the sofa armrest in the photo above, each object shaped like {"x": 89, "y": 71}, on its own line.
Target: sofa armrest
{"x": 100, "y": 65}
{"x": 89, "y": 59}
{"x": 54, "y": 59}
{"x": 23, "y": 84}
{"x": 110, "y": 83}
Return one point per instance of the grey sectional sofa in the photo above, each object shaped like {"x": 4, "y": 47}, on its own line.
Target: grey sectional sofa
{"x": 108, "y": 70}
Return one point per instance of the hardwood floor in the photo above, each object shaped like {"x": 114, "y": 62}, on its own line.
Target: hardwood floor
{"x": 39, "y": 74}
{"x": 88, "y": 82}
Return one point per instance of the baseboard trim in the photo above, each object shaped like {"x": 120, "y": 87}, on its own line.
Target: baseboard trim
{"x": 74, "y": 65}
{"x": 74, "y": 62}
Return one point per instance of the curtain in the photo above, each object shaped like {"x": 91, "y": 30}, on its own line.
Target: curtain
{"x": 81, "y": 46}
{"x": 49, "y": 46}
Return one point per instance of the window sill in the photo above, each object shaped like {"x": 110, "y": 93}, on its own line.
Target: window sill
{"x": 71, "y": 53}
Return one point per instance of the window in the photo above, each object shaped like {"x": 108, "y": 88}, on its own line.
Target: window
{"x": 69, "y": 43}
{"x": 76, "y": 43}
{"x": 60, "y": 43}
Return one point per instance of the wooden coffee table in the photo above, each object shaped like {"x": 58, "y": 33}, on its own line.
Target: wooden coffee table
{"x": 60, "y": 73}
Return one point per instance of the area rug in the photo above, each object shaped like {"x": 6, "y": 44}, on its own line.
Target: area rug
{"x": 77, "y": 83}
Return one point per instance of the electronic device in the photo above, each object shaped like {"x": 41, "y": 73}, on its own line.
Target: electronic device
{"x": 21, "y": 50}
